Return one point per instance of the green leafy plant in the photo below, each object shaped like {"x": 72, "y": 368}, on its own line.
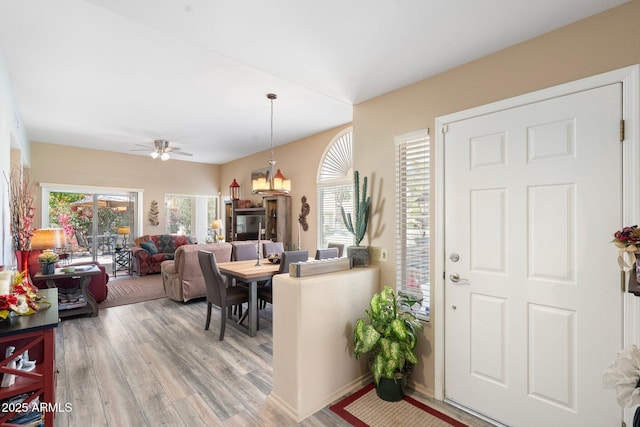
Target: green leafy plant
{"x": 358, "y": 226}
{"x": 389, "y": 333}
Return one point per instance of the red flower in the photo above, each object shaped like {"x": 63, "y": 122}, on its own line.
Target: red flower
{"x": 7, "y": 300}
{"x": 628, "y": 235}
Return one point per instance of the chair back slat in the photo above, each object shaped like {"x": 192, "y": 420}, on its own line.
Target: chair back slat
{"x": 244, "y": 252}
{"x": 292, "y": 256}
{"x": 215, "y": 282}
{"x": 327, "y": 253}
{"x": 269, "y": 248}
{"x": 342, "y": 248}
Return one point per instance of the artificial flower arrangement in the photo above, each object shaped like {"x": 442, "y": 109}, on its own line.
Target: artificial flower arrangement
{"x": 48, "y": 257}
{"x": 21, "y": 208}
{"x": 22, "y": 300}
{"x": 628, "y": 242}
{"x": 624, "y": 375}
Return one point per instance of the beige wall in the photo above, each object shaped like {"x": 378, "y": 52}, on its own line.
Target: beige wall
{"x": 602, "y": 43}
{"x": 60, "y": 164}
{"x": 299, "y": 162}
{"x": 605, "y": 42}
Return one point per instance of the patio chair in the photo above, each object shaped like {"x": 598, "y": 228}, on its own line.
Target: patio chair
{"x": 83, "y": 243}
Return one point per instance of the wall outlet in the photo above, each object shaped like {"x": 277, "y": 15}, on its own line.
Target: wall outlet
{"x": 378, "y": 254}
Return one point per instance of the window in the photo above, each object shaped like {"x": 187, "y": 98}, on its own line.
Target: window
{"x": 190, "y": 215}
{"x": 412, "y": 217}
{"x": 335, "y": 190}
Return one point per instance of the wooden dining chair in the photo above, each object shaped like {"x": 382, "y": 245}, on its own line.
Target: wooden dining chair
{"x": 326, "y": 253}
{"x": 217, "y": 291}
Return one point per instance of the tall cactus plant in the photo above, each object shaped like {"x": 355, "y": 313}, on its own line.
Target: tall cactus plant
{"x": 358, "y": 227}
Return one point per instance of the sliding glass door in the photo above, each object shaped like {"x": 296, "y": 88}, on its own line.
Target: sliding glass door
{"x": 94, "y": 223}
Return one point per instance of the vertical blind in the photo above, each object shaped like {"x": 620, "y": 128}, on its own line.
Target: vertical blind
{"x": 412, "y": 218}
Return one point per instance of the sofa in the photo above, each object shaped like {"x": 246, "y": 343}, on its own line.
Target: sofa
{"x": 150, "y": 251}
{"x": 97, "y": 285}
{"x": 182, "y": 277}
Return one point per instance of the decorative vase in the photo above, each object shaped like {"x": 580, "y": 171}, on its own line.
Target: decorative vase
{"x": 359, "y": 256}
{"x": 48, "y": 268}
{"x": 22, "y": 261}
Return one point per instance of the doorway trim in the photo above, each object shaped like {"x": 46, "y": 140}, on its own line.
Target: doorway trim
{"x": 629, "y": 76}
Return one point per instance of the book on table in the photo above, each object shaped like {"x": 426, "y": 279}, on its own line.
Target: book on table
{"x": 70, "y": 298}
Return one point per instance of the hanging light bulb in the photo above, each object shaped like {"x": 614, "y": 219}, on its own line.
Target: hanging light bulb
{"x": 154, "y": 154}
{"x": 274, "y": 183}
{"x": 164, "y": 156}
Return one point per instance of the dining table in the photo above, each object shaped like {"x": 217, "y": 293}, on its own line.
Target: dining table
{"x": 250, "y": 272}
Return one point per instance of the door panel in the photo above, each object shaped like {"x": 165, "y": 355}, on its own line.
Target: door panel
{"x": 532, "y": 196}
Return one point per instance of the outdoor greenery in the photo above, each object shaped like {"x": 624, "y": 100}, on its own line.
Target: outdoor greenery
{"x": 67, "y": 211}
{"x": 180, "y": 213}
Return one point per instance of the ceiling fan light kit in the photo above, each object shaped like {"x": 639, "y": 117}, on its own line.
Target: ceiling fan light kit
{"x": 161, "y": 149}
{"x": 276, "y": 183}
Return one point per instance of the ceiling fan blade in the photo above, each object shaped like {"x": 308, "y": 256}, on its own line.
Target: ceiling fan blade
{"x": 181, "y": 153}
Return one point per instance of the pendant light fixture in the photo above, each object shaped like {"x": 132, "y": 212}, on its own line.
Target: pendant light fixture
{"x": 274, "y": 183}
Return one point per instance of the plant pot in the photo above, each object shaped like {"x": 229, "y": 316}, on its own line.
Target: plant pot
{"x": 359, "y": 256}
{"x": 48, "y": 268}
{"x": 391, "y": 390}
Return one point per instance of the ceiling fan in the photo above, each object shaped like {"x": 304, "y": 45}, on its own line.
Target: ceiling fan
{"x": 161, "y": 149}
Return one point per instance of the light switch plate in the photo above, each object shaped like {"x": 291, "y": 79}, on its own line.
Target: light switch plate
{"x": 378, "y": 254}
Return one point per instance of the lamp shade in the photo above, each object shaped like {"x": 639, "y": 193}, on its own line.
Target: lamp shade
{"x": 124, "y": 230}
{"x": 48, "y": 238}
{"x": 216, "y": 224}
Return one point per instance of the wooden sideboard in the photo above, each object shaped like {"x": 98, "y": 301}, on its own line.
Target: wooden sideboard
{"x": 34, "y": 333}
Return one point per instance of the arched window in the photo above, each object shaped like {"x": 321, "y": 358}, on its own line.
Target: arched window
{"x": 335, "y": 190}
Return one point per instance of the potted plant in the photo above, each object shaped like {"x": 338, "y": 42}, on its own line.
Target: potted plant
{"x": 389, "y": 336}
{"x": 358, "y": 224}
{"x": 48, "y": 261}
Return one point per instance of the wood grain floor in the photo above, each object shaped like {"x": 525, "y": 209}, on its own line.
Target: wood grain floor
{"x": 153, "y": 364}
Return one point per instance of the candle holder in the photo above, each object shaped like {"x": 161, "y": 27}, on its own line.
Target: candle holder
{"x": 258, "y": 262}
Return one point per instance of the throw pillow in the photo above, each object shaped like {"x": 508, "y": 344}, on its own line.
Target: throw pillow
{"x": 150, "y": 247}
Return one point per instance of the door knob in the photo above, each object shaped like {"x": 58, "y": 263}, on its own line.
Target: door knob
{"x": 455, "y": 278}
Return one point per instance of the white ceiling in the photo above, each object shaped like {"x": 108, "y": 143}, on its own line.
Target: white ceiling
{"x": 110, "y": 74}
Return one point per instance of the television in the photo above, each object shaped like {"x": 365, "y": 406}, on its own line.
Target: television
{"x": 248, "y": 226}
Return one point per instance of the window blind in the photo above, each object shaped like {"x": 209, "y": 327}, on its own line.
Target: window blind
{"x": 412, "y": 218}
{"x": 335, "y": 190}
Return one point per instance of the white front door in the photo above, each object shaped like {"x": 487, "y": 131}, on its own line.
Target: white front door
{"x": 532, "y": 198}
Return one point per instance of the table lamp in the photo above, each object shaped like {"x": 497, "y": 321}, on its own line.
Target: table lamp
{"x": 215, "y": 226}
{"x": 124, "y": 231}
{"x": 49, "y": 239}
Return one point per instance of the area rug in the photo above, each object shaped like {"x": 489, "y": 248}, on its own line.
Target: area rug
{"x": 365, "y": 408}
{"x": 132, "y": 289}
